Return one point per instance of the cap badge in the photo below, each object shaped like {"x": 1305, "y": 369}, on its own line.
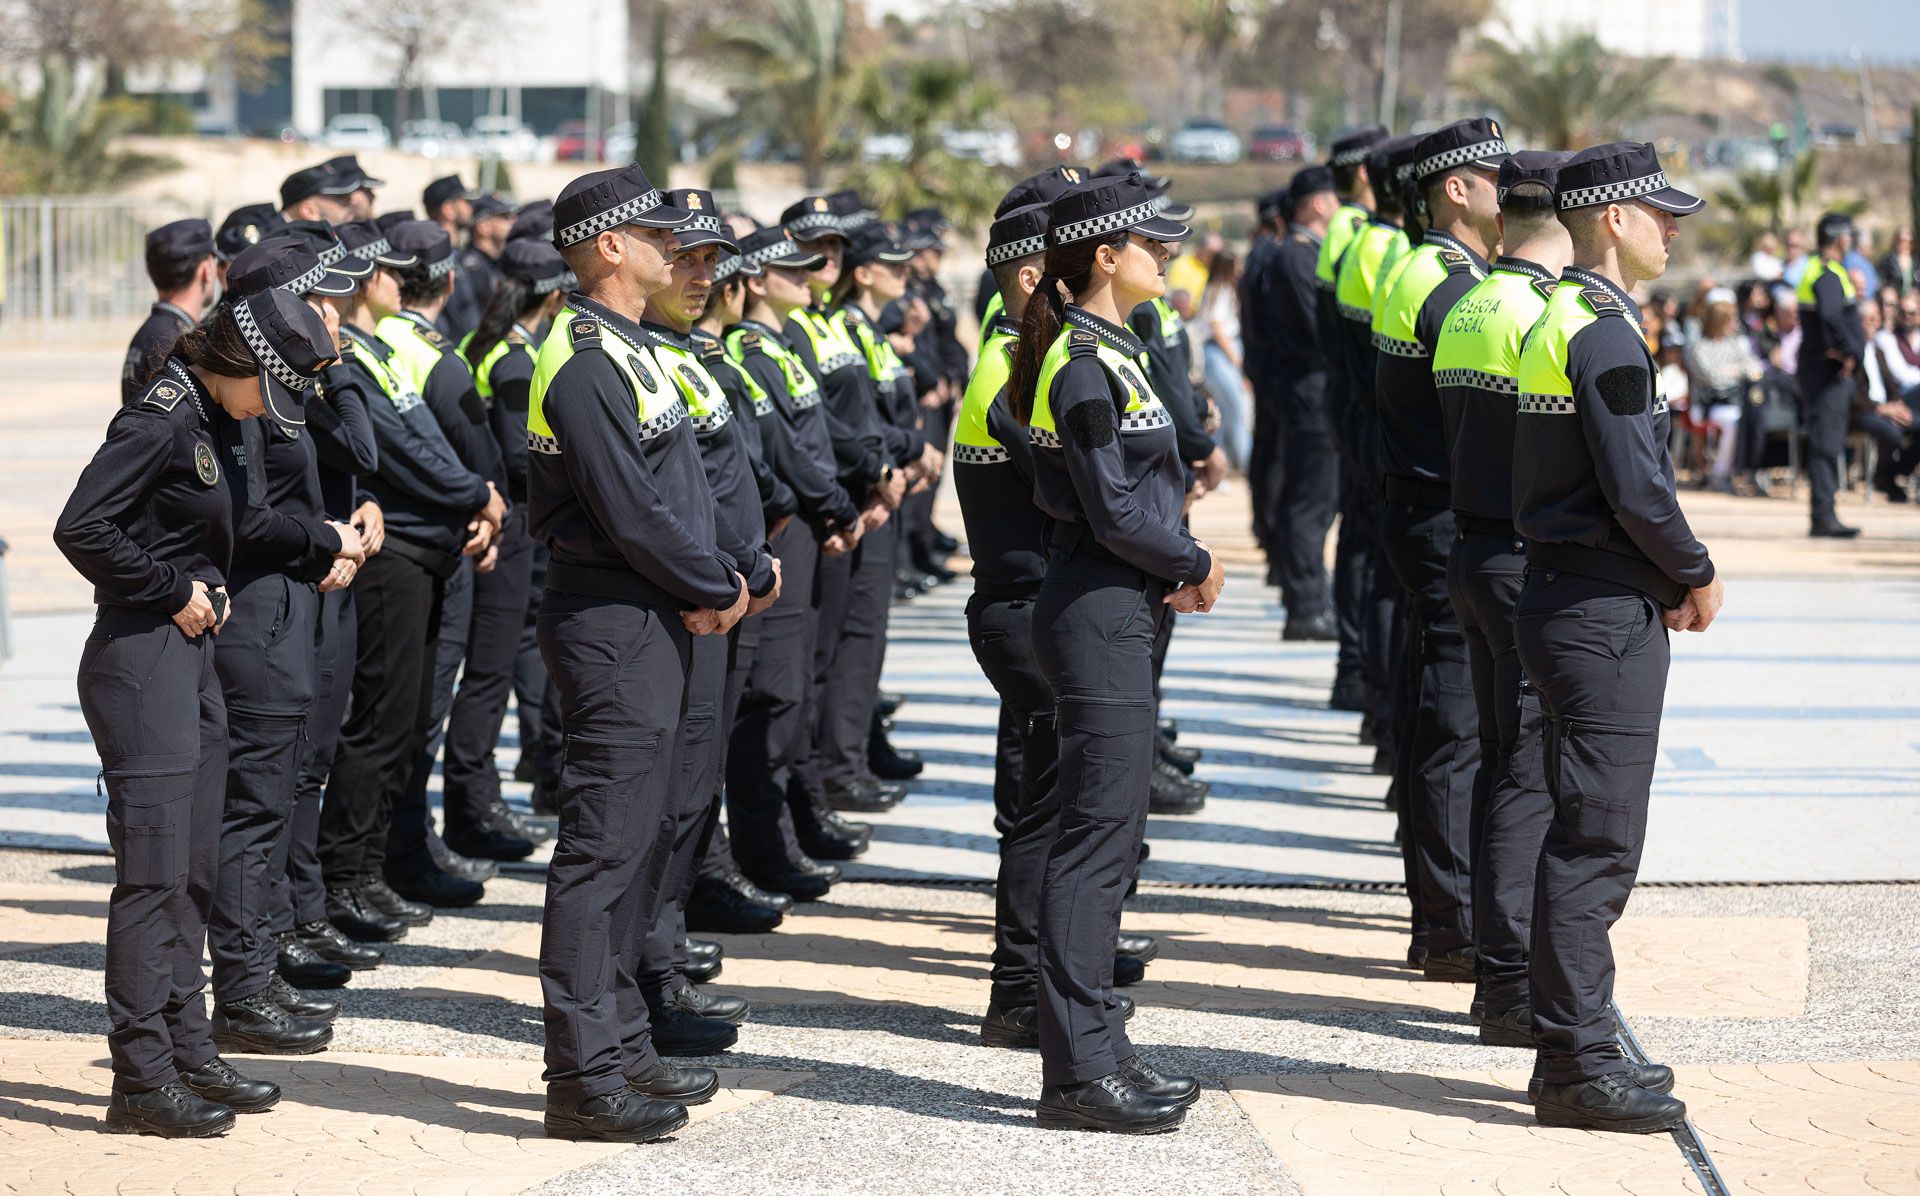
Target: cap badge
{"x": 204, "y": 464}
{"x": 1070, "y": 174}
{"x": 820, "y": 204}
{"x": 251, "y": 233}
{"x": 1495, "y": 125}
{"x": 693, "y": 203}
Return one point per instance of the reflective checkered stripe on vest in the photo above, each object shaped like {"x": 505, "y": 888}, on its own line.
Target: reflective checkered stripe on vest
{"x": 413, "y": 357}
{"x": 1143, "y": 413}
{"x": 403, "y": 396}
{"x": 1401, "y": 297}
{"x": 803, "y": 389}
{"x": 1480, "y": 341}
{"x": 1362, "y": 269}
{"x": 833, "y": 349}
{"x": 706, "y": 403}
{"x": 1347, "y": 221}
{"x": 1815, "y": 268}
{"x": 657, "y": 405}
{"x": 1545, "y": 388}
{"x": 883, "y": 364}
{"x": 973, "y": 444}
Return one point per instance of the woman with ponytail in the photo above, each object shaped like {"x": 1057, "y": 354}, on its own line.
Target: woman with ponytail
{"x": 1107, "y": 471}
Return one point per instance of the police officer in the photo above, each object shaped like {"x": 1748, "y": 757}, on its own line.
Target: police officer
{"x": 244, "y": 226}
{"x": 447, "y": 203}
{"x": 181, "y": 265}
{"x": 150, "y": 524}
{"x": 306, "y": 195}
{"x": 1108, "y": 472}
{"x": 1832, "y": 345}
{"x": 1302, "y": 383}
{"x": 618, "y": 494}
{"x": 480, "y": 259}
{"x": 1476, "y": 363}
{"x": 1265, "y": 453}
{"x": 1612, "y": 567}
{"x": 1454, "y": 172}
{"x": 1042, "y": 187}
{"x": 351, "y": 183}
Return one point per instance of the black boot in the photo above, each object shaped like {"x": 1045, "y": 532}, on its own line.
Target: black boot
{"x": 488, "y": 841}
{"x": 681, "y": 1034}
{"x": 453, "y": 863}
{"x": 216, "y": 1081}
{"x": 861, "y": 797}
{"x": 1016, "y": 1027}
{"x": 620, "y": 1116}
{"x": 1128, "y": 969}
{"x": 508, "y": 821}
{"x": 258, "y": 1026}
{"x": 300, "y": 1004}
{"x": 1111, "y": 1103}
{"x": 546, "y": 797}
{"x": 1141, "y": 1075}
{"x": 702, "y": 971}
{"x": 821, "y": 840}
{"x": 1449, "y": 967}
{"x": 1169, "y": 793}
{"x": 889, "y": 763}
{"x": 1182, "y": 758}
{"x": 1510, "y": 1027}
{"x": 1832, "y": 529}
{"x": 705, "y": 950}
{"x": 1142, "y": 947}
{"x": 348, "y": 910}
{"x": 325, "y": 940}
{"x": 1317, "y": 627}
{"x": 1654, "y": 1077}
{"x": 172, "y": 1110}
{"x": 1349, "y": 693}
{"x": 380, "y": 895}
{"x": 683, "y": 1085}
{"x": 1611, "y": 1102}
{"x": 441, "y": 890}
{"x": 303, "y": 966}
{"x": 808, "y": 866}
{"x": 734, "y": 905}
{"x": 715, "y": 1007}
{"x": 792, "y": 882}
{"x": 944, "y": 544}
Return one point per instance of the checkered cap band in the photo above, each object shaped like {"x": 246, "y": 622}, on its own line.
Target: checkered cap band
{"x": 306, "y": 282}
{"x": 1000, "y": 255}
{"x": 1460, "y": 156}
{"x": 372, "y": 249}
{"x": 264, "y": 352}
{"x": 548, "y": 286}
{"x": 770, "y": 252}
{"x": 1587, "y": 197}
{"x": 1100, "y": 226}
{"x": 333, "y": 254}
{"x": 1404, "y": 174}
{"x": 1478, "y": 380}
{"x": 1547, "y": 405}
{"x": 726, "y": 268}
{"x": 1352, "y": 157}
{"x": 440, "y": 269}
{"x": 808, "y": 223}
{"x": 593, "y": 226}
{"x": 702, "y": 222}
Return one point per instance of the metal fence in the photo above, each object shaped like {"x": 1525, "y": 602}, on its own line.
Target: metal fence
{"x": 68, "y": 262}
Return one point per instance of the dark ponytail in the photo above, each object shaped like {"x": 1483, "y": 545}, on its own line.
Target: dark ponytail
{"x": 1066, "y": 265}
{"x": 513, "y": 299}
{"x": 216, "y": 346}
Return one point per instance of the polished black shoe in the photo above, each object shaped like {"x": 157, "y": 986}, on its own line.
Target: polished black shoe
{"x": 1349, "y": 693}
{"x": 258, "y": 1026}
{"x": 380, "y": 895}
{"x": 348, "y": 910}
{"x": 172, "y": 1110}
{"x": 715, "y": 1007}
{"x": 327, "y": 941}
{"x": 808, "y": 866}
{"x": 1173, "y": 776}
{"x": 1449, "y": 967}
{"x": 453, "y": 863}
{"x": 702, "y": 971}
{"x": 1168, "y": 728}
{"x": 1319, "y": 627}
{"x": 1614, "y": 1102}
{"x": 1125, "y": 1005}
{"x": 1128, "y": 969}
{"x": 441, "y": 890}
{"x": 791, "y": 881}
{"x": 1175, "y": 794}
{"x": 1016, "y": 1027}
{"x": 1141, "y": 946}
{"x": 1111, "y": 1104}
{"x": 1654, "y": 1077}
{"x": 303, "y": 967}
{"x": 215, "y": 1080}
{"x": 681, "y": 1034}
{"x": 508, "y": 821}
{"x": 824, "y": 842}
{"x": 301, "y": 1004}
{"x": 622, "y": 1116}
{"x": 734, "y": 905}
{"x": 887, "y": 702}
{"x": 488, "y": 843}
{"x": 669, "y": 1081}
{"x": 889, "y": 763}
{"x": 1512, "y": 1027}
{"x": 1182, "y": 758}
{"x": 851, "y": 827}
{"x": 1141, "y": 1075}
{"x": 1832, "y": 531}
{"x": 705, "y": 950}
{"x": 1416, "y": 955}
{"x": 861, "y": 797}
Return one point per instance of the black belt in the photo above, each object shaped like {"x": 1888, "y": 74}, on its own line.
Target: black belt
{"x": 1485, "y": 527}
{"x": 621, "y": 585}
{"x": 1628, "y": 571}
{"x": 437, "y": 561}
{"x": 1416, "y": 492}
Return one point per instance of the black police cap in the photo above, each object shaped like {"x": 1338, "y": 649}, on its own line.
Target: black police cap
{"x": 1021, "y": 232}
{"x": 1121, "y": 167}
{"x": 1099, "y": 208}
{"x": 812, "y": 217}
{"x": 929, "y": 218}
{"x": 1832, "y": 227}
{"x": 870, "y": 243}
{"x": 608, "y": 199}
{"x": 349, "y": 176}
{"x": 291, "y": 344}
{"x": 1620, "y": 172}
{"x": 366, "y": 240}
{"x": 343, "y": 269}
{"x": 423, "y": 243}
{"x": 533, "y": 220}
{"x": 1475, "y": 141}
{"x": 772, "y": 248}
{"x": 386, "y": 220}
{"x": 535, "y": 263}
{"x": 1530, "y": 166}
{"x": 487, "y": 204}
{"x": 243, "y": 227}
{"x": 305, "y": 184}
{"x": 1352, "y": 147}
{"x": 1390, "y": 163}
{"x": 703, "y": 225}
{"x": 1044, "y": 187}
{"x": 443, "y": 190}
{"x": 1309, "y": 180}
{"x": 850, "y": 210}
{"x": 735, "y": 265}
{"x": 179, "y": 242}
{"x": 277, "y": 263}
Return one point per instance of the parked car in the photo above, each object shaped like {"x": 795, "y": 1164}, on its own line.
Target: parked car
{"x": 995, "y": 147}
{"x": 432, "y": 138}
{"x": 886, "y": 147}
{"x": 573, "y": 141}
{"x": 1280, "y": 143}
{"x": 503, "y": 137}
{"x": 1205, "y": 141}
{"x": 356, "y": 131}
{"x": 620, "y": 143}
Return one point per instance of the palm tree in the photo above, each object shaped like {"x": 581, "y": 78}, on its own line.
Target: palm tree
{"x": 925, "y": 100}
{"x": 1566, "y": 94}
{"x": 1773, "y": 202}
{"x": 796, "y": 81}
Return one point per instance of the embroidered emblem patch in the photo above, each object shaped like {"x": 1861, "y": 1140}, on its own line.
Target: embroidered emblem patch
{"x": 641, "y": 371}
{"x": 205, "y": 466}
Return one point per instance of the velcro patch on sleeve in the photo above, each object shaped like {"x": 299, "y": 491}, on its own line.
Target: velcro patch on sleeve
{"x": 1624, "y": 389}
{"x": 1091, "y": 425}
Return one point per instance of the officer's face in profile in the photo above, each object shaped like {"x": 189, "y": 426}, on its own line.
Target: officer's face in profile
{"x": 382, "y": 292}
{"x": 828, "y": 272}
{"x": 884, "y": 281}
{"x": 1139, "y": 268}
{"x": 786, "y": 288}
{"x": 1644, "y": 239}
{"x": 642, "y": 257}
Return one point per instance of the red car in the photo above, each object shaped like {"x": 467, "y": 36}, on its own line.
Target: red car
{"x": 572, "y": 143}
{"x": 1279, "y": 143}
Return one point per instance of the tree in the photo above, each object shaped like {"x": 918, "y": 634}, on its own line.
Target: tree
{"x": 1568, "y": 93}
{"x": 1762, "y": 201}
{"x": 796, "y": 77}
{"x": 1342, "y": 49}
{"x": 60, "y": 140}
{"x": 653, "y": 140}
{"x": 919, "y": 103}
{"x": 1210, "y": 33}
{"x": 119, "y": 36}
{"x": 415, "y": 33}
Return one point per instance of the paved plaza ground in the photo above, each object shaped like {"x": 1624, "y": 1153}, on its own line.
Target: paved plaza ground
{"x": 1770, "y": 956}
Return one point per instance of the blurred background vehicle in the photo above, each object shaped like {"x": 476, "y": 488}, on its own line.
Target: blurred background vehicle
{"x": 356, "y": 131}
{"x": 1205, "y": 141}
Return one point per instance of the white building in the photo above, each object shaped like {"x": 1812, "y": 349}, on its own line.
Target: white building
{"x": 1642, "y": 28}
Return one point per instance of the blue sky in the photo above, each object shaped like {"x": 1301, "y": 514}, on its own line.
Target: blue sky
{"x": 1885, "y": 30}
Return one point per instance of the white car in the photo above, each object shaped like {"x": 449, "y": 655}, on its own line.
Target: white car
{"x": 432, "y": 138}
{"x": 1205, "y": 141}
{"x": 995, "y": 147}
{"x": 503, "y": 137}
{"x": 356, "y": 131}
{"x": 621, "y": 141}
{"x": 886, "y": 147}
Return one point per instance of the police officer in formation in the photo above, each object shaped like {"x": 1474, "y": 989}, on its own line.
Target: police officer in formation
{"x": 1832, "y": 346}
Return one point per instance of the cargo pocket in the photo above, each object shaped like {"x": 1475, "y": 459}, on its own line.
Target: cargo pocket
{"x": 1606, "y": 773}
{"x": 600, "y": 782}
{"x": 149, "y": 805}
{"x": 1109, "y": 781}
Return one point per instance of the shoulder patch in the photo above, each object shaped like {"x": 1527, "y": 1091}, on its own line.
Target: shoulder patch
{"x": 583, "y": 331}
{"x": 432, "y": 336}
{"x": 1454, "y": 260}
{"x": 640, "y": 371}
{"x": 1544, "y": 286}
{"x": 205, "y": 465}
{"x": 163, "y": 395}
{"x": 1602, "y": 301}
{"x": 712, "y": 351}
{"x": 1081, "y": 343}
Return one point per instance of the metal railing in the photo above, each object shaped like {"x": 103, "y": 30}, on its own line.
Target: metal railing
{"x": 69, "y": 261}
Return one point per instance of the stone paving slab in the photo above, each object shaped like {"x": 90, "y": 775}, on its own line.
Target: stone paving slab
{"x": 349, "y": 1123}
{"x": 1826, "y": 1128}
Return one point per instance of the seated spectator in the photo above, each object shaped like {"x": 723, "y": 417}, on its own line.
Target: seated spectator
{"x": 1766, "y": 264}
{"x": 1897, "y": 269}
{"x": 1756, "y": 315}
{"x": 1888, "y": 388}
{"x": 1785, "y": 356}
{"x": 1722, "y": 364}
{"x": 1906, "y": 327}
